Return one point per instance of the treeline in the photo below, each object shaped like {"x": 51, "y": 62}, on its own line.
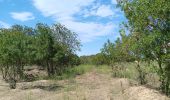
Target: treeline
{"x": 145, "y": 37}
{"x": 111, "y": 53}
{"x": 51, "y": 47}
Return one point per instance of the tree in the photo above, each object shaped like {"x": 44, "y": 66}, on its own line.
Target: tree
{"x": 12, "y": 53}
{"x": 99, "y": 59}
{"x": 55, "y": 45}
{"x": 136, "y": 50}
{"x": 108, "y": 51}
{"x": 51, "y": 47}
{"x": 66, "y": 37}
{"x": 44, "y": 46}
{"x": 151, "y": 19}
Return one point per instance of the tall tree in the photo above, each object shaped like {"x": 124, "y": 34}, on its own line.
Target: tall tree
{"x": 150, "y": 18}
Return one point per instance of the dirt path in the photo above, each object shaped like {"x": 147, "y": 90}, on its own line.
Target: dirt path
{"x": 90, "y": 86}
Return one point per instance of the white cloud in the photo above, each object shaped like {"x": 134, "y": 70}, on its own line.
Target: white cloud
{"x": 4, "y": 25}
{"x": 104, "y": 11}
{"x": 100, "y": 11}
{"x": 114, "y": 1}
{"x": 90, "y": 30}
{"x": 60, "y": 8}
{"x": 22, "y": 16}
{"x": 63, "y": 11}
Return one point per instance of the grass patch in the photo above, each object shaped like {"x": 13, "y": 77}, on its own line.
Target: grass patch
{"x": 74, "y": 71}
{"x": 128, "y": 70}
{"x": 103, "y": 69}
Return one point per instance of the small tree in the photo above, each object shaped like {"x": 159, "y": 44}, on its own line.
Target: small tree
{"x": 12, "y": 53}
{"x": 108, "y": 51}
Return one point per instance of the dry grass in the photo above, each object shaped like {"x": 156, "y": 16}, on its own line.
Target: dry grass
{"x": 90, "y": 86}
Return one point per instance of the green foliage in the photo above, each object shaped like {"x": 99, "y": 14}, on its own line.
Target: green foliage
{"x": 51, "y": 47}
{"x": 149, "y": 24}
{"x": 56, "y": 47}
{"x": 72, "y": 72}
{"x": 103, "y": 69}
{"x": 99, "y": 59}
{"x": 108, "y": 52}
{"x": 14, "y": 52}
{"x": 87, "y": 59}
{"x": 118, "y": 51}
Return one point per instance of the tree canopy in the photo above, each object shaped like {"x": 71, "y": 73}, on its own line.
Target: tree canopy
{"x": 53, "y": 48}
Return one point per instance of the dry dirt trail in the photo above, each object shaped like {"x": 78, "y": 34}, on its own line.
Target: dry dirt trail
{"x": 90, "y": 86}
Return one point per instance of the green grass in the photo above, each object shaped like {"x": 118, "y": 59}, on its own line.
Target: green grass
{"x": 125, "y": 70}
{"x": 82, "y": 69}
{"x": 74, "y": 71}
{"x": 128, "y": 70}
{"x": 103, "y": 69}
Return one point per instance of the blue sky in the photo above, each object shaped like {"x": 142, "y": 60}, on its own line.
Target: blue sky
{"x": 95, "y": 21}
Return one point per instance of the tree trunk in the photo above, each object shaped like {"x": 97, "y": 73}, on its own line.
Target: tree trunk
{"x": 141, "y": 74}
{"x": 162, "y": 76}
{"x": 50, "y": 68}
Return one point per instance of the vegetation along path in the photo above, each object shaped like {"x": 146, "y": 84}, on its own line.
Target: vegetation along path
{"x": 90, "y": 86}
